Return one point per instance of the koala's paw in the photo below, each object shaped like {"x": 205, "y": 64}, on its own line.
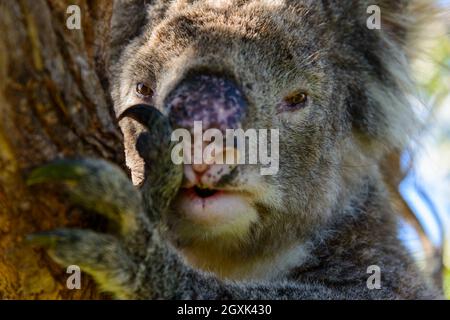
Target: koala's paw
{"x": 97, "y": 185}
{"x": 113, "y": 260}
{"x": 162, "y": 177}
{"x": 102, "y": 256}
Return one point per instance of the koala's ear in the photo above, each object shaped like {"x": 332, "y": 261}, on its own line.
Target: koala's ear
{"x": 131, "y": 18}
{"x": 399, "y": 20}
{"x": 403, "y": 20}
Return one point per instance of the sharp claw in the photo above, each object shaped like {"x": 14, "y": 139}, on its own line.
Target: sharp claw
{"x": 60, "y": 170}
{"x": 102, "y": 256}
{"x": 48, "y": 239}
{"x": 144, "y": 114}
{"x": 96, "y": 185}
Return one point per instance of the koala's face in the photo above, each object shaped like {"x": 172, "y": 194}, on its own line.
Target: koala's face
{"x": 250, "y": 65}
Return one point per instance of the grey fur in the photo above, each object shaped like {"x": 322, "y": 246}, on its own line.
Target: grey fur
{"x": 324, "y": 219}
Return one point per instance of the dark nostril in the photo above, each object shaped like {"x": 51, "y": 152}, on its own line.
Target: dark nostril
{"x": 216, "y": 101}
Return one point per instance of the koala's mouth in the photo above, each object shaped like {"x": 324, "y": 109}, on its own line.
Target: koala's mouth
{"x": 213, "y": 207}
{"x": 204, "y": 192}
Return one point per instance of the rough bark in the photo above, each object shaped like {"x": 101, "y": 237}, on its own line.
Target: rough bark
{"x": 53, "y": 103}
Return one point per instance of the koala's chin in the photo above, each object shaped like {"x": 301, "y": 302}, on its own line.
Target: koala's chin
{"x": 215, "y": 210}
{"x": 219, "y": 211}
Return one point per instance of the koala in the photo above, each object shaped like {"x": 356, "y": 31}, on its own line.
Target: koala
{"x": 336, "y": 90}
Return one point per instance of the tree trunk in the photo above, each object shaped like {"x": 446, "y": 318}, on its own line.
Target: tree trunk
{"x": 54, "y": 102}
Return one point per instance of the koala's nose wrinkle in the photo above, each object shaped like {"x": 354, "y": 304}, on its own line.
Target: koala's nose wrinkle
{"x": 214, "y": 100}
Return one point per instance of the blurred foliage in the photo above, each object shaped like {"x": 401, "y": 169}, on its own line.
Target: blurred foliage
{"x": 439, "y": 85}
{"x": 447, "y": 282}
{"x": 433, "y": 74}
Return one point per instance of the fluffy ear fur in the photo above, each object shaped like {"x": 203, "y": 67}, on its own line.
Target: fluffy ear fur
{"x": 405, "y": 27}
{"x": 127, "y": 23}
{"x": 131, "y": 18}
{"x": 402, "y": 21}
{"x": 382, "y": 90}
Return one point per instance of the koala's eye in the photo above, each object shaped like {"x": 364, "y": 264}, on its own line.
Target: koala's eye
{"x": 296, "y": 98}
{"x": 144, "y": 90}
{"x": 294, "y": 101}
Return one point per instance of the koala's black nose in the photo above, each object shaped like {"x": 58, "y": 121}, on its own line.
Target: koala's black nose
{"x": 214, "y": 100}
